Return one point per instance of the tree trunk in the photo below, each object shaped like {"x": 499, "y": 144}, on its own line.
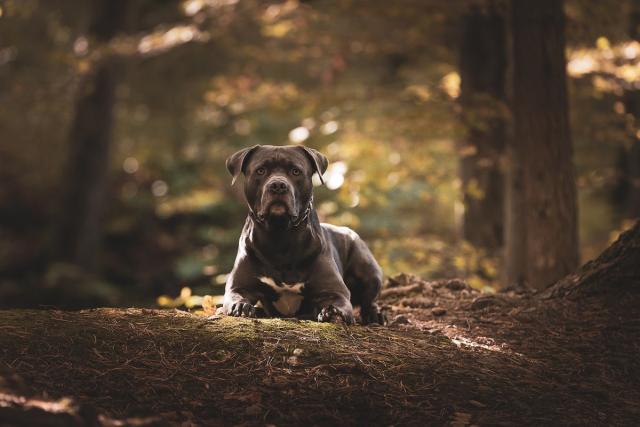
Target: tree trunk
{"x": 542, "y": 241}
{"x": 482, "y": 68}
{"x": 78, "y": 236}
{"x": 627, "y": 192}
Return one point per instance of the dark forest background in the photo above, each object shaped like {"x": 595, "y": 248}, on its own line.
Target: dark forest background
{"x": 455, "y": 150}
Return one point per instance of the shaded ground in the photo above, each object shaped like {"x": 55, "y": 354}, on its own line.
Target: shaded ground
{"x": 451, "y": 356}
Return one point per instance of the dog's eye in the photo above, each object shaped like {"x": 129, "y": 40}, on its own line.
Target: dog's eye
{"x": 261, "y": 171}
{"x": 296, "y": 171}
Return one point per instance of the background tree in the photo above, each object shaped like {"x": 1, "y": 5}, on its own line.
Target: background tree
{"x": 483, "y": 65}
{"x": 627, "y": 194}
{"x": 541, "y": 241}
{"x": 90, "y": 136}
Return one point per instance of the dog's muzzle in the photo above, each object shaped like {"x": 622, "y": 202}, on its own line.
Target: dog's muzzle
{"x": 278, "y": 198}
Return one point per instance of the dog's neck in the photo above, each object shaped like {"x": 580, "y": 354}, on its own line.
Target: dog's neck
{"x": 300, "y": 220}
{"x": 285, "y": 247}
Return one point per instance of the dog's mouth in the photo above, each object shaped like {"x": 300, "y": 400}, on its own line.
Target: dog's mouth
{"x": 278, "y": 209}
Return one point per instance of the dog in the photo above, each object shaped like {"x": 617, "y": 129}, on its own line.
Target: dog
{"x": 288, "y": 261}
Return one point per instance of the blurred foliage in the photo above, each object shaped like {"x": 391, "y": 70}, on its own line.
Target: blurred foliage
{"x": 371, "y": 84}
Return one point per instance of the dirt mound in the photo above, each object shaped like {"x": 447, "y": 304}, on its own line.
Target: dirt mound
{"x": 451, "y": 356}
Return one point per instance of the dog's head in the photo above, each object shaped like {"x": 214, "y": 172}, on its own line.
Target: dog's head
{"x": 278, "y": 184}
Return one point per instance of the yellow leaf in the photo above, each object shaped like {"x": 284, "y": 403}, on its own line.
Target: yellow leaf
{"x": 165, "y": 301}
{"x": 278, "y": 30}
{"x": 185, "y": 293}
{"x": 602, "y": 43}
{"x": 208, "y": 304}
{"x": 193, "y": 301}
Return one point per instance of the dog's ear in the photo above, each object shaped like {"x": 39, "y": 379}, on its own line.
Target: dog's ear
{"x": 237, "y": 162}
{"x": 318, "y": 160}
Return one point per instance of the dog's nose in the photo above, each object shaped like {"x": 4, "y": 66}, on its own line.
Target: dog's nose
{"x": 278, "y": 187}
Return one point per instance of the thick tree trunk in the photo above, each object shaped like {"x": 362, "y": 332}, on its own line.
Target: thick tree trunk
{"x": 627, "y": 194}
{"x": 88, "y": 166}
{"x": 628, "y": 187}
{"x": 542, "y": 241}
{"x": 78, "y": 235}
{"x": 482, "y": 68}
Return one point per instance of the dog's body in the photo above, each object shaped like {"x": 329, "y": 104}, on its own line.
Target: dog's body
{"x": 287, "y": 260}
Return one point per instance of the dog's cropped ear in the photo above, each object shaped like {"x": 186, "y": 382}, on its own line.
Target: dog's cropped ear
{"x": 237, "y": 162}
{"x": 318, "y": 160}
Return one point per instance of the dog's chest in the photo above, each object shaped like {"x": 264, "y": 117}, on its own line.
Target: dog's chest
{"x": 287, "y": 296}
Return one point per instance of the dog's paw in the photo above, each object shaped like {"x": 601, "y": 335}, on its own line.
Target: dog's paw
{"x": 373, "y": 314}
{"x": 242, "y": 309}
{"x": 334, "y": 315}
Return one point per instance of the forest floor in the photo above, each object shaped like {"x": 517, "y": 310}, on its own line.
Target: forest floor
{"x": 450, "y": 356}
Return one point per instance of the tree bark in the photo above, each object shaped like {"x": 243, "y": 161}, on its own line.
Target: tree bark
{"x": 627, "y": 192}
{"x": 542, "y": 241}
{"x": 78, "y": 236}
{"x": 483, "y": 65}
{"x": 628, "y": 185}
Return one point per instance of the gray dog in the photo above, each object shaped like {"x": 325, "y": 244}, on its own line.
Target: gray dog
{"x": 287, "y": 260}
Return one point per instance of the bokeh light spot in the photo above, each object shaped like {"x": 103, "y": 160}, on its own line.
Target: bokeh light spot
{"x": 329, "y": 127}
{"x": 159, "y": 188}
{"x": 299, "y": 134}
{"x": 334, "y": 176}
{"x": 130, "y": 165}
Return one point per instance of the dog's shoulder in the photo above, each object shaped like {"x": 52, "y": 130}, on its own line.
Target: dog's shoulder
{"x": 343, "y": 239}
{"x": 339, "y": 233}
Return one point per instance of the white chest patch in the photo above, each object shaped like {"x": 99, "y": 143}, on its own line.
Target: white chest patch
{"x": 289, "y": 295}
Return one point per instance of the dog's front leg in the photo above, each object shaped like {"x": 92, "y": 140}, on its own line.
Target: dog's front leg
{"x": 328, "y": 293}
{"x": 239, "y": 305}
{"x": 241, "y": 293}
{"x": 334, "y": 309}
